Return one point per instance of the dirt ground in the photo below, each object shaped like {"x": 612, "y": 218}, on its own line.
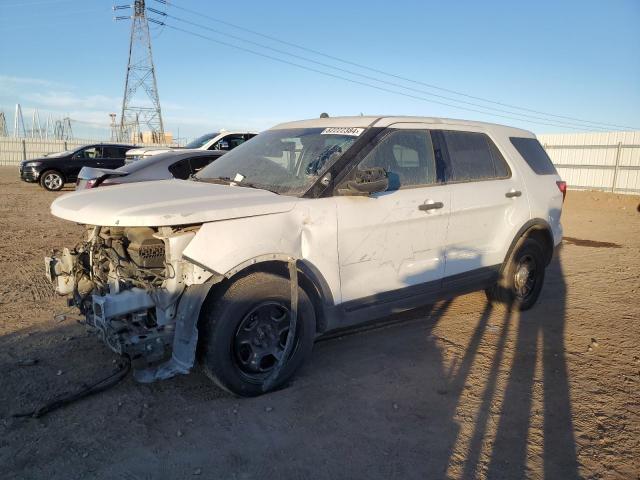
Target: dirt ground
{"x": 457, "y": 390}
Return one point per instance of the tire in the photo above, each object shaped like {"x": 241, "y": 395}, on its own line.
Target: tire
{"x": 522, "y": 276}
{"x": 52, "y": 180}
{"x": 244, "y": 322}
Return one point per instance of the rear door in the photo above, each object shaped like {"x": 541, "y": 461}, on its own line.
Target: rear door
{"x": 391, "y": 244}
{"x": 487, "y": 205}
{"x": 112, "y": 157}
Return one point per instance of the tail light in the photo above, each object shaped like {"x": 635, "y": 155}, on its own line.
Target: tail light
{"x": 562, "y": 186}
{"x": 98, "y": 182}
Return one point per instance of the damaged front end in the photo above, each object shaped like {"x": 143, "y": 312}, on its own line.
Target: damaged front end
{"x": 136, "y": 293}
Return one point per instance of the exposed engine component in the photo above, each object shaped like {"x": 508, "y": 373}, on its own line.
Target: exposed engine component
{"x": 143, "y": 249}
{"x": 113, "y": 276}
{"x": 128, "y": 283}
{"x": 126, "y": 323}
{"x": 129, "y": 256}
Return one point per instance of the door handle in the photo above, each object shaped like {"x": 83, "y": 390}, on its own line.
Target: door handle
{"x": 513, "y": 193}
{"x": 431, "y": 206}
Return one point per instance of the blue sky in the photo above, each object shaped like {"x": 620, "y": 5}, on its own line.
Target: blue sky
{"x": 575, "y": 58}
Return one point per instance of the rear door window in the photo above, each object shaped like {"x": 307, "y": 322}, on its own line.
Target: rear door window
{"x": 111, "y": 152}
{"x": 473, "y": 156}
{"x": 181, "y": 169}
{"x": 535, "y": 156}
{"x": 198, "y": 163}
{"x": 229, "y": 142}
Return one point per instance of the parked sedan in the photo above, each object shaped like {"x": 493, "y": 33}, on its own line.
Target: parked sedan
{"x": 54, "y": 170}
{"x": 175, "y": 164}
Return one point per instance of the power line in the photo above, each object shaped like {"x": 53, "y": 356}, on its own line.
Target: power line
{"x": 399, "y": 77}
{"x": 351, "y": 80}
{"x": 528, "y": 117}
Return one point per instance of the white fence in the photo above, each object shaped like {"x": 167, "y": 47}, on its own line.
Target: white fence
{"x": 15, "y": 150}
{"x": 607, "y": 161}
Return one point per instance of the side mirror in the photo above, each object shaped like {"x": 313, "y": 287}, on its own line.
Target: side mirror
{"x": 223, "y": 145}
{"x": 365, "y": 182}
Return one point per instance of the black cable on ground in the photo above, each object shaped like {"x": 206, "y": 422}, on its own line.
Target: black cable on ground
{"x": 67, "y": 398}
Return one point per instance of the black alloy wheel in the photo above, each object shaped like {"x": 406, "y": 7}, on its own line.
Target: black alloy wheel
{"x": 244, "y": 329}
{"x": 261, "y": 337}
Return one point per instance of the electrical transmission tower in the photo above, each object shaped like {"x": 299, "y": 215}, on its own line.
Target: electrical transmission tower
{"x": 18, "y": 123}
{"x": 36, "y": 128}
{"x": 141, "y": 103}
{"x": 113, "y": 127}
{"x": 3, "y": 125}
{"x": 62, "y": 129}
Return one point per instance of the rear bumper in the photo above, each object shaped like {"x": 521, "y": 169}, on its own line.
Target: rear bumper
{"x": 557, "y": 233}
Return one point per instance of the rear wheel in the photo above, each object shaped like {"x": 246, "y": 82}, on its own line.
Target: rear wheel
{"x": 245, "y": 332}
{"x": 522, "y": 276}
{"x": 52, "y": 180}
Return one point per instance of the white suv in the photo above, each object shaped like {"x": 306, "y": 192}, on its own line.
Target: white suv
{"x": 312, "y": 226}
{"x": 223, "y": 140}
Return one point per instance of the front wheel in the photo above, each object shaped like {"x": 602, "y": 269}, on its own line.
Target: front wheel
{"x": 52, "y": 181}
{"x": 245, "y": 333}
{"x": 522, "y": 276}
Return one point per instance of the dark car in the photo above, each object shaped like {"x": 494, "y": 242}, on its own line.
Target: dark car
{"x": 54, "y": 170}
{"x": 175, "y": 164}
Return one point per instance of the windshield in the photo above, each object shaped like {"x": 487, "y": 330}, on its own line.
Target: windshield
{"x": 201, "y": 141}
{"x": 283, "y": 161}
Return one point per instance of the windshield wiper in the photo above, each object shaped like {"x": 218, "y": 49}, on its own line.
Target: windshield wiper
{"x": 253, "y": 185}
{"x": 218, "y": 180}
{"x": 228, "y": 181}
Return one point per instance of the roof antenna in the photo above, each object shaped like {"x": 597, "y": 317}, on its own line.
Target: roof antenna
{"x": 324, "y": 115}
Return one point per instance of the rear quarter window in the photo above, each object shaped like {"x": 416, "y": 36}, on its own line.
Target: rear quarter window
{"x": 535, "y": 156}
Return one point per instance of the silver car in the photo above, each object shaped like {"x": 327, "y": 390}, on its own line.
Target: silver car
{"x": 175, "y": 164}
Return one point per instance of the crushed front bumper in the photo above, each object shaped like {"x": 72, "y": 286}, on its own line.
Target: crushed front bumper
{"x": 155, "y": 327}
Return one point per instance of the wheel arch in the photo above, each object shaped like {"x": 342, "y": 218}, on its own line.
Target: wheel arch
{"x": 309, "y": 278}
{"x": 536, "y": 229}
{"x": 53, "y": 169}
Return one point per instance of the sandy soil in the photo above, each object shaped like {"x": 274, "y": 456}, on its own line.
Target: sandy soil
{"x": 458, "y": 390}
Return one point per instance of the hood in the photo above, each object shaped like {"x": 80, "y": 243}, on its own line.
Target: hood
{"x": 167, "y": 203}
{"x": 48, "y": 159}
{"x": 64, "y": 153}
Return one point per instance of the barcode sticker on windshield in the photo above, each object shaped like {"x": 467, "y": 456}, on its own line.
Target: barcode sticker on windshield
{"x": 353, "y": 131}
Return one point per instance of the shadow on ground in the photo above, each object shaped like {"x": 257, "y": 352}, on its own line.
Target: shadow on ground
{"x": 400, "y": 401}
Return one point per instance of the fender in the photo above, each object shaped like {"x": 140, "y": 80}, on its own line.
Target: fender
{"x": 307, "y": 235}
{"x": 533, "y": 224}
{"x": 306, "y": 268}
